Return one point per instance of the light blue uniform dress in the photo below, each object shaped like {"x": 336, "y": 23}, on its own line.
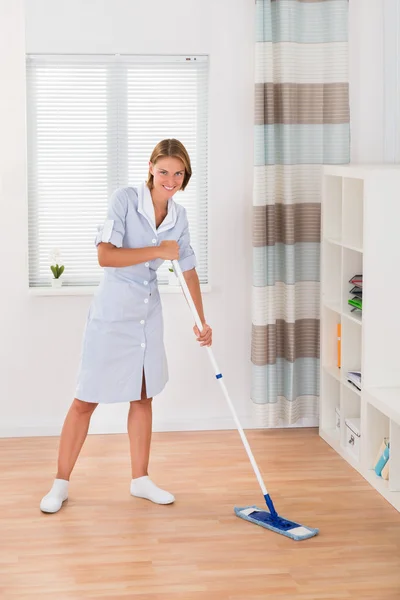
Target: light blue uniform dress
{"x": 123, "y": 336}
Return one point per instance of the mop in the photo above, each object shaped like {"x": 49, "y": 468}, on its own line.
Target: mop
{"x": 268, "y": 519}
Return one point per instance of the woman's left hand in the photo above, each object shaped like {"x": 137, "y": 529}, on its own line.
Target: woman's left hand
{"x": 204, "y": 337}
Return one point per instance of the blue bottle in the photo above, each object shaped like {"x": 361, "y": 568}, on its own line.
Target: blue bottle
{"x": 382, "y": 461}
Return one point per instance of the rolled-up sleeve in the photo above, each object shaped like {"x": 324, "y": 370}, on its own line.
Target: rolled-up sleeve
{"x": 187, "y": 257}
{"x": 113, "y": 228}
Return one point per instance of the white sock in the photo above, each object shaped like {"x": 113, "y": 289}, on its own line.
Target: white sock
{"x": 143, "y": 487}
{"x": 52, "y": 502}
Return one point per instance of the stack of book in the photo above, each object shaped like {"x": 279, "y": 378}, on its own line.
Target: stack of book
{"x": 356, "y": 300}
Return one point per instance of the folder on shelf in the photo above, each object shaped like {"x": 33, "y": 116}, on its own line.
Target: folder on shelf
{"x": 356, "y": 303}
{"x": 357, "y": 280}
{"x": 356, "y": 291}
{"x": 354, "y": 377}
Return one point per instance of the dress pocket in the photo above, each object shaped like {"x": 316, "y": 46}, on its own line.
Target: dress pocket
{"x": 116, "y": 302}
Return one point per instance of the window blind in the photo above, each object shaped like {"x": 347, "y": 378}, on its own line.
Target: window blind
{"x": 93, "y": 122}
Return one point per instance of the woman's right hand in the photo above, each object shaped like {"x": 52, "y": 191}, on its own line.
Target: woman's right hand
{"x": 169, "y": 250}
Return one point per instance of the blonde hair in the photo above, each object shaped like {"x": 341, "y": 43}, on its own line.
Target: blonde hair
{"x": 176, "y": 149}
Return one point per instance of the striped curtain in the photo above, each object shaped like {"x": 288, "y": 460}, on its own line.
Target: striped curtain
{"x": 301, "y": 122}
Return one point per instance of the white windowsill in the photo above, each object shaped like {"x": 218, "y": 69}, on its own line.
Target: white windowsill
{"x": 89, "y": 290}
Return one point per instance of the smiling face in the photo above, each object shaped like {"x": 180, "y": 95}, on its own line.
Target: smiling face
{"x": 168, "y": 176}
{"x": 169, "y": 169}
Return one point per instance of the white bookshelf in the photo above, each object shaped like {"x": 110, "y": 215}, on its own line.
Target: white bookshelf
{"x": 361, "y": 234}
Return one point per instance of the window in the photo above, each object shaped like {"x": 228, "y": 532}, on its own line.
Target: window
{"x": 93, "y": 122}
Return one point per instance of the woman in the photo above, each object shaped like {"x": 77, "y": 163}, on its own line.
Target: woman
{"x": 123, "y": 357}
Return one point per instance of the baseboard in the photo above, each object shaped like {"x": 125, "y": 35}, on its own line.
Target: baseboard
{"x": 225, "y": 423}
{"x": 247, "y": 422}
{"x": 17, "y": 431}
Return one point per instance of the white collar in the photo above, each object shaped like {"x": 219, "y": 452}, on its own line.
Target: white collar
{"x": 146, "y": 208}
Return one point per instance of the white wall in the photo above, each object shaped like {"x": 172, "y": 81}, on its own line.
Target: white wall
{"x": 41, "y": 336}
{"x": 391, "y": 33}
{"x": 366, "y": 76}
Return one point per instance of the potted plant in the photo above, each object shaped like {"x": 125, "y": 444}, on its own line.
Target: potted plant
{"x": 172, "y": 278}
{"x": 57, "y": 268}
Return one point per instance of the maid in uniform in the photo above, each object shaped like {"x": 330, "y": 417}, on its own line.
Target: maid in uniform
{"x": 123, "y": 357}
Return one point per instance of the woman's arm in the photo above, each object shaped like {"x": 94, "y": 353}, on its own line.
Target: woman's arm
{"x": 192, "y": 280}
{"x": 111, "y": 256}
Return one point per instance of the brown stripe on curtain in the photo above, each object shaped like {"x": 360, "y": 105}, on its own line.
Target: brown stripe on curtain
{"x": 286, "y": 223}
{"x": 285, "y": 340}
{"x": 306, "y": 103}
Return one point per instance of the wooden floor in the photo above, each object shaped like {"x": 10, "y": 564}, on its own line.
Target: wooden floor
{"x": 106, "y": 544}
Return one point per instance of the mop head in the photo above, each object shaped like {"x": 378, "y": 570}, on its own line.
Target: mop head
{"x": 292, "y": 530}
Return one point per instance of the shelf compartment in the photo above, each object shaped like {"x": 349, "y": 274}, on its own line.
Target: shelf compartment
{"x": 332, "y": 208}
{"x": 355, "y": 317}
{"x": 331, "y": 275}
{"x": 333, "y": 372}
{"x": 394, "y": 465}
{"x": 350, "y": 386}
{"x": 350, "y": 408}
{"x": 352, "y": 265}
{"x": 377, "y": 428}
{"x": 330, "y": 393}
{"x": 351, "y": 404}
{"x": 334, "y": 306}
{"x": 353, "y": 213}
{"x": 351, "y": 349}
{"x": 380, "y": 424}
{"x": 329, "y": 341}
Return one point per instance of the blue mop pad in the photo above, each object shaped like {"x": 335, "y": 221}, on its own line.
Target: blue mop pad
{"x": 292, "y": 530}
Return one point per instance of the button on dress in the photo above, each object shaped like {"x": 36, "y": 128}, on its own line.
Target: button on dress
{"x": 123, "y": 335}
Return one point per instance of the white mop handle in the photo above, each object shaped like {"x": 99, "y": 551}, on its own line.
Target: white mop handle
{"x": 218, "y": 374}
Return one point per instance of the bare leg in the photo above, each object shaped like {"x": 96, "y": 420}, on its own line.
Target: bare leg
{"x": 139, "y": 430}
{"x": 140, "y": 419}
{"x": 73, "y": 435}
